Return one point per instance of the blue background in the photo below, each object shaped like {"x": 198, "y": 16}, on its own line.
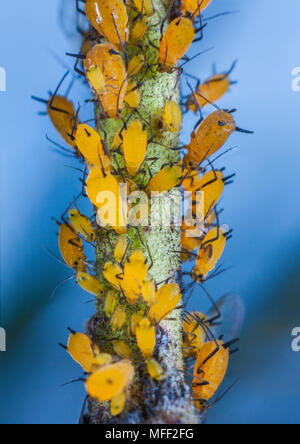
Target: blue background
{"x": 262, "y": 206}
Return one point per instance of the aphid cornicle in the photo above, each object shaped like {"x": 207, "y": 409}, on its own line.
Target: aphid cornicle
{"x": 210, "y": 136}
{"x": 109, "y": 18}
{"x": 134, "y": 147}
{"x": 71, "y": 248}
{"x": 82, "y": 350}
{"x": 82, "y": 224}
{"x": 209, "y": 371}
{"x": 175, "y": 42}
{"x": 110, "y": 381}
{"x": 106, "y": 60}
{"x": 89, "y": 143}
{"x": 90, "y": 284}
{"x": 209, "y": 254}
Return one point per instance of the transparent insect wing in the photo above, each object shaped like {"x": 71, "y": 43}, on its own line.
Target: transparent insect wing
{"x": 168, "y": 178}
{"x": 146, "y": 338}
{"x": 82, "y": 224}
{"x": 90, "y": 284}
{"x": 232, "y": 309}
{"x": 210, "y": 136}
{"x": 110, "y": 381}
{"x": 89, "y": 143}
{"x": 62, "y": 114}
{"x": 134, "y": 147}
{"x": 108, "y": 60}
{"x": 82, "y": 350}
{"x": 211, "y": 370}
{"x": 71, "y": 248}
{"x": 175, "y": 42}
{"x": 109, "y": 18}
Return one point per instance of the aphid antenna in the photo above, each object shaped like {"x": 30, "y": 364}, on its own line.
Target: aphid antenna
{"x": 222, "y": 395}
{"x": 60, "y": 283}
{"x": 64, "y": 347}
{"x": 221, "y": 14}
{"x": 196, "y": 56}
{"x": 121, "y": 43}
{"x": 62, "y": 148}
{"x": 53, "y": 96}
{"x": 72, "y": 382}
{"x": 241, "y": 130}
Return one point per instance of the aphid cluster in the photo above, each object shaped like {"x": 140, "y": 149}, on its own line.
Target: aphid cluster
{"x": 122, "y": 348}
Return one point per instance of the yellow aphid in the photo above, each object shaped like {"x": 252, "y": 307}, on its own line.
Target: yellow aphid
{"x": 121, "y": 248}
{"x": 211, "y": 250}
{"x": 122, "y": 349}
{"x": 175, "y": 42}
{"x": 63, "y": 115}
{"x": 89, "y": 143}
{"x": 110, "y": 381}
{"x": 82, "y": 224}
{"x": 155, "y": 369}
{"x": 118, "y": 319}
{"x": 96, "y": 78}
{"x": 168, "y": 178}
{"x": 133, "y": 96}
{"x": 110, "y": 303}
{"x": 136, "y": 64}
{"x": 172, "y": 116}
{"x": 135, "y": 272}
{"x": 82, "y": 350}
{"x": 149, "y": 292}
{"x": 109, "y": 18}
{"x": 193, "y": 334}
{"x": 134, "y": 147}
{"x": 109, "y": 62}
{"x": 134, "y": 321}
{"x": 192, "y": 7}
{"x": 113, "y": 273}
{"x": 71, "y": 248}
{"x": 145, "y": 7}
{"x": 168, "y": 297}
{"x": 90, "y": 284}
{"x": 100, "y": 361}
{"x": 139, "y": 30}
{"x": 117, "y": 404}
{"x": 146, "y": 338}
{"x": 212, "y": 185}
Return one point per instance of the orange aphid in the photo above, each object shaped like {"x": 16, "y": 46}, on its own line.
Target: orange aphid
{"x": 107, "y": 60}
{"x": 71, "y": 248}
{"x": 212, "y": 185}
{"x": 109, "y": 18}
{"x": 193, "y": 334}
{"x": 135, "y": 272}
{"x": 89, "y": 143}
{"x": 192, "y": 7}
{"x": 82, "y": 350}
{"x": 167, "y": 178}
{"x": 155, "y": 370}
{"x": 113, "y": 273}
{"x": 117, "y": 404}
{"x": 136, "y": 64}
{"x": 175, "y": 42}
{"x": 122, "y": 349}
{"x": 119, "y": 318}
{"x": 101, "y": 360}
{"x": 172, "y": 116}
{"x": 210, "y": 136}
{"x": 139, "y": 30}
{"x": 209, "y": 254}
{"x": 168, "y": 297}
{"x": 210, "y": 91}
{"x": 62, "y": 114}
{"x": 133, "y": 97}
{"x": 209, "y": 370}
{"x": 146, "y": 338}
{"x": 149, "y": 292}
{"x": 110, "y": 381}
{"x": 134, "y": 147}
{"x": 90, "y": 284}
{"x": 145, "y": 7}
{"x": 82, "y": 225}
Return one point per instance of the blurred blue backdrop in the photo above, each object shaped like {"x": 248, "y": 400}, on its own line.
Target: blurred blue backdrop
{"x": 261, "y": 207}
